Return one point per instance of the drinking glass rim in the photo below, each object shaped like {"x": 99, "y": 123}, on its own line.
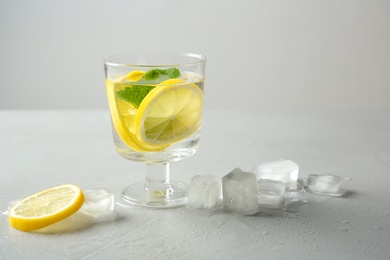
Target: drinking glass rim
{"x": 183, "y": 54}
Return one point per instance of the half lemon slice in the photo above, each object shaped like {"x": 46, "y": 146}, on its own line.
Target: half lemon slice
{"x": 170, "y": 112}
{"x": 123, "y": 116}
{"x": 134, "y": 75}
{"x": 46, "y": 207}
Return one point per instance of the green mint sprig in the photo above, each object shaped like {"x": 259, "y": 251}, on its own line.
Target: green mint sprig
{"x": 134, "y": 94}
{"x": 154, "y": 74}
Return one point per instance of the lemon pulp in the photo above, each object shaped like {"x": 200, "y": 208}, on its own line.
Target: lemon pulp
{"x": 169, "y": 113}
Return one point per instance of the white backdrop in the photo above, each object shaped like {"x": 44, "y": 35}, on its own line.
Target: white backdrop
{"x": 261, "y": 54}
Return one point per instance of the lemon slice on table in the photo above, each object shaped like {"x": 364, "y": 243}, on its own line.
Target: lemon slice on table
{"x": 169, "y": 113}
{"x": 123, "y": 117}
{"x": 46, "y": 207}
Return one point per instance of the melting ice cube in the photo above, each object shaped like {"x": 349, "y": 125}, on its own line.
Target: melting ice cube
{"x": 240, "y": 191}
{"x": 279, "y": 170}
{"x": 327, "y": 184}
{"x": 294, "y": 200}
{"x": 204, "y": 192}
{"x": 98, "y": 206}
{"x": 271, "y": 194}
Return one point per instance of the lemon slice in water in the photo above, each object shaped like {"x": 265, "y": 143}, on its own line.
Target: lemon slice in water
{"x": 134, "y": 75}
{"x": 123, "y": 118}
{"x": 169, "y": 113}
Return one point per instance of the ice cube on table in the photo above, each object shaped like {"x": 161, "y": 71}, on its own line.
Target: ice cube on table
{"x": 240, "y": 191}
{"x": 295, "y": 196}
{"x": 271, "y": 194}
{"x": 98, "y": 206}
{"x": 327, "y": 184}
{"x": 205, "y": 192}
{"x": 294, "y": 200}
{"x": 280, "y": 170}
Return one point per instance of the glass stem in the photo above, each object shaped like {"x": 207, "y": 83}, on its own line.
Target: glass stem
{"x": 157, "y": 181}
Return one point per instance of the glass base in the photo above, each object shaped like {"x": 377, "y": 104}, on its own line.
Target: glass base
{"x": 172, "y": 195}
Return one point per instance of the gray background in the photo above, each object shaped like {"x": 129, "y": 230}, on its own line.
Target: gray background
{"x": 261, "y": 54}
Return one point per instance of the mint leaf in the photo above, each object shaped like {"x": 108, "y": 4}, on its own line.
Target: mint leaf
{"x": 171, "y": 72}
{"x": 134, "y": 94}
{"x": 154, "y": 74}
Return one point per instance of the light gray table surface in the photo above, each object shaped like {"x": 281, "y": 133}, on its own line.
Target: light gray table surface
{"x": 41, "y": 149}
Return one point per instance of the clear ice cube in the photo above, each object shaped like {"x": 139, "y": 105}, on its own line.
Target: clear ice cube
{"x": 205, "y": 192}
{"x": 294, "y": 200}
{"x": 98, "y": 206}
{"x": 271, "y": 194}
{"x": 324, "y": 184}
{"x": 240, "y": 191}
{"x": 280, "y": 170}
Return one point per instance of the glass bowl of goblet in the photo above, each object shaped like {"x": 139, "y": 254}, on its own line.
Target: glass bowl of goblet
{"x": 156, "y": 104}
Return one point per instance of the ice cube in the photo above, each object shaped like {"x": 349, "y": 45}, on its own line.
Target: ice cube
{"x": 280, "y": 170}
{"x": 327, "y": 184}
{"x": 294, "y": 200}
{"x": 293, "y": 186}
{"x": 98, "y": 206}
{"x": 271, "y": 194}
{"x": 240, "y": 192}
{"x": 205, "y": 192}
{"x": 295, "y": 196}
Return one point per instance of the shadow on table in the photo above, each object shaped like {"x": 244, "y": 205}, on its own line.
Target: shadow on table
{"x": 75, "y": 223}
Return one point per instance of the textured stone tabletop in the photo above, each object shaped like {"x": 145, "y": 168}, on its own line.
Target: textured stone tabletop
{"x": 41, "y": 149}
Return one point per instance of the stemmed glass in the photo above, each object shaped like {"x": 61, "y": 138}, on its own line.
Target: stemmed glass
{"x": 156, "y": 102}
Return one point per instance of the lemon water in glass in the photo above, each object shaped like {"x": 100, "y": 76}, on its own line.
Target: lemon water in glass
{"x": 156, "y": 102}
